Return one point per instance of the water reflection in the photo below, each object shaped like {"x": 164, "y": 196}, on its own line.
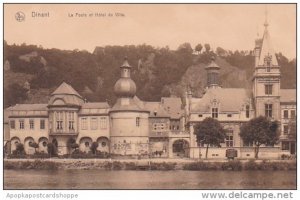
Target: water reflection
{"x": 97, "y": 179}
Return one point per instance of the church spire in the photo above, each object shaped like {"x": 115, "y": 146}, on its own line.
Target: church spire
{"x": 267, "y": 53}
{"x": 266, "y": 24}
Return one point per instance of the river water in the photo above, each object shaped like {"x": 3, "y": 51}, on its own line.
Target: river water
{"x": 99, "y": 179}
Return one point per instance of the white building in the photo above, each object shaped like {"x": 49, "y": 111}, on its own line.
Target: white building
{"x": 160, "y": 129}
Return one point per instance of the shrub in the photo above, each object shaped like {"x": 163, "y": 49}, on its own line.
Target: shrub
{"x": 232, "y": 165}
{"x": 130, "y": 166}
{"x": 52, "y": 150}
{"x": 251, "y": 165}
{"x": 117, "y": 165}
{"x": 94, "y": 147}
{"x": 39, "y": 155}
{"x": 16, "y": 155}
{"x": 20, "y": 149}
{"x": 196, "y": 166}
{"x": 9, "y": 165}
{"x": 107, "y": 165}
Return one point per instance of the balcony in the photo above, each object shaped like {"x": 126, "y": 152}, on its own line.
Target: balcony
{"x": 63, "y": 133}
{"x": 179, "y": 134}
{"x": 159, "y": 134}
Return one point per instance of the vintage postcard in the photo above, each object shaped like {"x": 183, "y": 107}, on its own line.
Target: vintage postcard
{"x": 149, "y": 96}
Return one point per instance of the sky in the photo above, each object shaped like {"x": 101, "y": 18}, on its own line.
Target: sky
{"x": 230, "y": 26}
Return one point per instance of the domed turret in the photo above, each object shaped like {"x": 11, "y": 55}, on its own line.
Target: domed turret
{"x": 125, "y": 86}
{"x": 212, "y": 74}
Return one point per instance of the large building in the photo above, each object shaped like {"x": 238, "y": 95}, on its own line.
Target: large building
{"x": 160, "y": 129}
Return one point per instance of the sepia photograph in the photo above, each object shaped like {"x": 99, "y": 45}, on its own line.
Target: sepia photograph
{"x": 150, "y": 97}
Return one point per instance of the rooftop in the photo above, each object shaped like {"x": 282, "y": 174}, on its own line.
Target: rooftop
{"x": 230, "y": 99}
{"x": 288, "y": 95}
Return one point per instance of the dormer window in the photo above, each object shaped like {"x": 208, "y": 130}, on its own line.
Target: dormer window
{"x": 214, "y": 112}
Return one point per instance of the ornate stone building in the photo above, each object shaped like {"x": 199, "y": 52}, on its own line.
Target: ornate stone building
{"x": 159, "y": 129}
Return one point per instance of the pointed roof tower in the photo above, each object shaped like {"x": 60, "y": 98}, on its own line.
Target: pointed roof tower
{"x": 267, "y": 53}
{"x": 65, "y": 95}
{"x": 65, "y": 88}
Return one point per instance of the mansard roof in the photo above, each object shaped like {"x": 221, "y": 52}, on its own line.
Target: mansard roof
{"x": 173, "y": 106}
{"x": 288, "y": 95}
{"x": 95, "y": 105}
{"x": 227, "y": 99}
{"x": 28, "y": 107}
{"x": 153, "y": 107}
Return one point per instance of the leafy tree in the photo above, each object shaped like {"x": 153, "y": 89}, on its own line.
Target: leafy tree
{"x": 52, "y": 150}
{"x": 258, "y": 131}
{"x": 209, "y": 132}
{"x": 94, "y": 147}
{"x": 20, "y": 149}
{"x": 292, "y": 129}
{"x": 198, "y": 48}
{"x": 207, "y": 47}
{"x": 71, "y": 144}
{"x": 34, "y": 145}
{"x": 14, "y": 94}
{"x": 186, "y": 48}
{"x": 220, "y": 51}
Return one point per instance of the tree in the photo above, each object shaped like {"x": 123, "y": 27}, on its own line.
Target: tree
{"x": 34, "y": 145}
{"x": 210, "y": 132}
{"x": 292, "y": 129}
{"x": 198, "y": 48}
{"x": 94, "y": 147}
{"x": 207, "y": 47}
{"x": 185, "y": 48}
{"x": 14, "y": 94}
{"x": 72, "y": 145}
{"x": 220, "y": 51}
{"x": 51, "y": 148}
{"x": 258, "y": 131}
{"x": 20, "y": 149}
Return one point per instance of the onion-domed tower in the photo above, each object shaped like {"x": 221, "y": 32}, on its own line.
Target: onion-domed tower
{"x": 129, "y": 121}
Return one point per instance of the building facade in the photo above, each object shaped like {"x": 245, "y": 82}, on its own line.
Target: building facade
{"x": 159, "y": 129}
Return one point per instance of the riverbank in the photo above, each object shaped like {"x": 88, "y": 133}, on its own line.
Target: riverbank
{"x": 149, "y": 164}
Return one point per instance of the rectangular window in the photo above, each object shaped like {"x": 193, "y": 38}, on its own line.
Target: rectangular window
{"x": 268, "y": 89}
{"x": 31, "y": 124}
{"x": 285, "y": 129}
{"x": 137, "y": 121}
{"x": 247, "y": 111}
{"x": 84, "y": 123}
{"x": 103, "y": 123}
{"x": 285, "y": 146}
{"x": 285, "y": 114}
{"x": 21, "y": 124}
{"x": 229, "y": 115}
{"x": 94, "y": 123}
{"x": 71, "y": 121}
{"x": 293, "y": 114}
{"x": 59, "y": 120}
{"x": 214, "y": 112}
{"x": 229, "y": 138}
{"x": 42, "y": 124}
{"x": 12, "y": 124}
{"x": 268, "y": 110}
{"x": 158, "y": 126}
